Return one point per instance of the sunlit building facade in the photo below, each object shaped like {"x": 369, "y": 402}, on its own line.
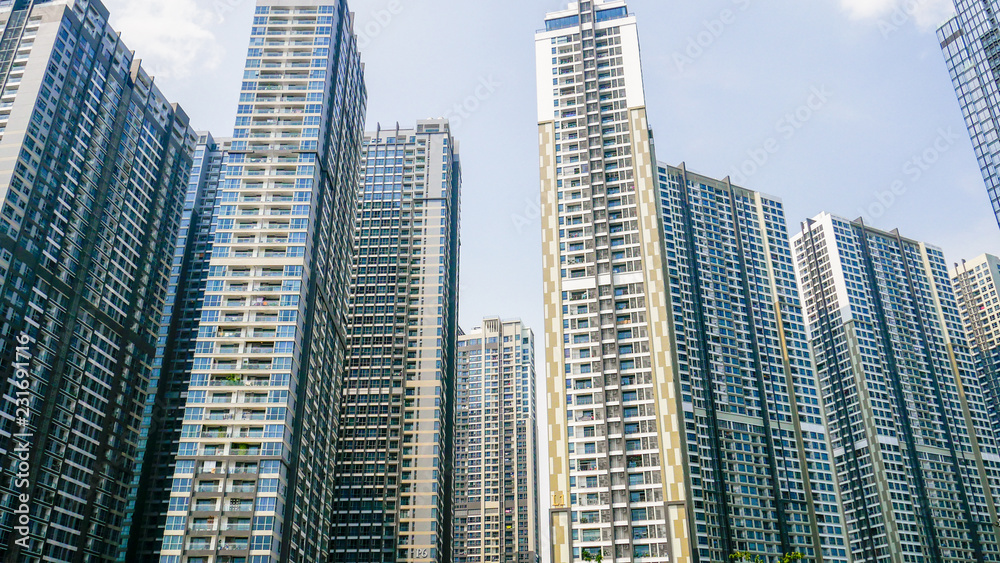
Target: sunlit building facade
{"x": 914, "y": 449}
{"x": 253, "y": 479}
{"x": 496, "y": 449}
{"x": 394, "y": 473}
{"x": 977, "y": 287}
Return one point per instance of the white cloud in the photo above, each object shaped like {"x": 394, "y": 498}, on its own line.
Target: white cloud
{"x": 926, "y": 14}
{"x": 174, "y": 38}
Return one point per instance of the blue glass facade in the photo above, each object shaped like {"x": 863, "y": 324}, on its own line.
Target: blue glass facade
{"x": 164, "y": 412}
{"x": 253, "y": 478}
{"x": 92, "y": 194}
{"x": 971, "y": 45}
{"x": 915, "y": 452}
{"x": 758, "y": 451}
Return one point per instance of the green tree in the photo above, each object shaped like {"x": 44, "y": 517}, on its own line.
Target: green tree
{"x": 747, "y": 557}
{"x": 595, "y": 558}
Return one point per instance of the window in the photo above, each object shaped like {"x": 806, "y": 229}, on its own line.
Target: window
{"x": 176, "y": 523}
{"x": 262, "y": 543}
{"x": 638, "y": 514}
{"x": 263, "y": 523}
{"x": 172, "y": 542}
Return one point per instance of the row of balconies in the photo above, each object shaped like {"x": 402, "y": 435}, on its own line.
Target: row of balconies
{"x": 229, "y": 432}
{"x": 243, "y": 415}
{"x": 244, "y": 398}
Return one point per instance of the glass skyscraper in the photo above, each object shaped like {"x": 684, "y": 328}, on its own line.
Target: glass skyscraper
{"x": 915, "y": 452}
{"x": 253, "y": 479}
{"x": 164, "y": 413}
{"x": 970, "y": 44}
{"x": 394, "y": 466}
{"x": 496, "y": 448}
{"x": 94, "y": 167}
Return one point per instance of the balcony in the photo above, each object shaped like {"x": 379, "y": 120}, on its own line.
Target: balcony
{"x": 200, "y": 546}
{"x": 234, "y": 546}
{"x": 239, "y": 507}
{"x": 244, "y": 450}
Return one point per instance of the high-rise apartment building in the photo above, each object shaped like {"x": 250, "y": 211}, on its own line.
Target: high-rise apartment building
{"x": 684, "y": 423}
{"x": 93, "y": 166}
{"x": 758, "y": 453}
{"x": 496, "y": 450}
{"x": 915, "y": 453}
{"x": 977, "y": 287}
{"x": 164, "y": 412}
{"x": 394, "y": 466}
{"x": 253, "y": 479}
{"x": 596, "y": 146}
{"x": 969, "y": 44}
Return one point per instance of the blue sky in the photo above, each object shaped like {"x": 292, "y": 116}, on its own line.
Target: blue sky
{"x": 725, "y": 80}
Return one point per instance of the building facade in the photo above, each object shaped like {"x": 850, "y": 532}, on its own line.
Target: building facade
{"x": 976, "y": 287}
{"x": 758, "y": 453}
{"x": 915, "y": 453}
{"x": 168, "y": 386}
{"x": 969, "y": 44}
{"x": 253, "y": 479}
{"x": 95, "y": 163}
{"x": 496, "y": 449}
{"x": 394, "y": 468}
{"x": 595, "y": 141}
